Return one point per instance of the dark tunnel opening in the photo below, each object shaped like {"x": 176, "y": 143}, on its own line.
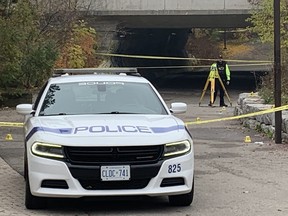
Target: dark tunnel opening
{"x": 159, "y": 43}
{"x": 168, "y": 73}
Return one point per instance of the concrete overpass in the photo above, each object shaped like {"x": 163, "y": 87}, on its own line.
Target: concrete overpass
{"x": 158, "y": 27}
{"x": 169, "y": 13}
{"x": 114, "y": 20}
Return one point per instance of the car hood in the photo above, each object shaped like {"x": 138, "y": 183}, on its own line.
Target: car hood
{"x": 107, "y": 128}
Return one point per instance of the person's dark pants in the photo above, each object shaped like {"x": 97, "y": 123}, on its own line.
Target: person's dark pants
{"x": 219, "y": 88}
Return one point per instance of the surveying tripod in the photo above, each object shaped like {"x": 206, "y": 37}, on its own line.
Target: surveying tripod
{"x": 212, "y": 80}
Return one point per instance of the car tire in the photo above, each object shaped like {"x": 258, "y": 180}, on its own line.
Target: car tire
{"x": 33, "y": 202}
{"x": 182, "y": 199}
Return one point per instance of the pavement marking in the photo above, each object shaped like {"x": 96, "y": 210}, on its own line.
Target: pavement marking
{"x": 11, "y": 124}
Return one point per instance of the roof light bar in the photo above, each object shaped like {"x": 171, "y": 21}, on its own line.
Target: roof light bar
{"x": 75, "y": 71}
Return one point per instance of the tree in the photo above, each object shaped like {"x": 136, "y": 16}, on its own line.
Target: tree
{"x": 26, "y": 56}
{"x": 6, "y": 6}
{"x": 79, "y": 50}
{"x": 36, "y": 33}
{"x": 262, "y": 20}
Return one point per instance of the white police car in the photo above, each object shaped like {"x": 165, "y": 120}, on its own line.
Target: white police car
{"x": 105, "y": 135}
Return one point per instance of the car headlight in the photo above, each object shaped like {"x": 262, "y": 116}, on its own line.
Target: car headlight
{"x": 47, "y": 150}
{"x": 176, "y": 148}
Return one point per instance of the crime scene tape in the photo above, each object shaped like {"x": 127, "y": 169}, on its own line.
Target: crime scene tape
{"x": 11, "y": 124}
{"x": 177, "y": 58}
{"x": 198, "y": 121}
{"x": 204, "y": 66}
{"x": 239, "y": 117}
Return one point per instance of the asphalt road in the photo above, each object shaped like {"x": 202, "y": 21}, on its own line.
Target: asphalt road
{"x": 231, "y": 177}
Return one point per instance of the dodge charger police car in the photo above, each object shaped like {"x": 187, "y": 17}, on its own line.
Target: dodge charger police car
{"x": 99, "y": 134}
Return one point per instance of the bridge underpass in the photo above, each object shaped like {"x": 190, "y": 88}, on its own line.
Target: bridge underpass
{"x": 160, "y": 28}
{"x": 171, "y": 43}
{"x": 153, "y": 42}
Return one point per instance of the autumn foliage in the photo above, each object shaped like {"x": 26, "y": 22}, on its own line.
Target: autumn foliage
{"x": 79, "y": 50}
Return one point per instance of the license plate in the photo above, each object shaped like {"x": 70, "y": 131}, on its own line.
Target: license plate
{"x": 115, "y": 173}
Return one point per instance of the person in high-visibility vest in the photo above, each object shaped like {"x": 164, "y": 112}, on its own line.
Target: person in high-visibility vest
{"x": 223, "y": 70}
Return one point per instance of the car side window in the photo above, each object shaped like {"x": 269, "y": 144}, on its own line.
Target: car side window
{"x": 36, "y": 103}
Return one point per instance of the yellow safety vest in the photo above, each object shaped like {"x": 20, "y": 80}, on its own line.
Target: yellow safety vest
{"x": 214, "y": 72}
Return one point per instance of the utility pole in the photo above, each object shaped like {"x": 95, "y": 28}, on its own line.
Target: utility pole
{"x": 277, "y": 72}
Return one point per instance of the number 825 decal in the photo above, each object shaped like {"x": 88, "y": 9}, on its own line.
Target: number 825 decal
{"x": 174, "y": 168}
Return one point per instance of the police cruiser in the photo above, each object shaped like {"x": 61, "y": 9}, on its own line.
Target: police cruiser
{"x": 103, "y": 132}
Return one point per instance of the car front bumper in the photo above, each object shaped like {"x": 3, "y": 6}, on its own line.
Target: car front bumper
{"x": 170, "y": 171}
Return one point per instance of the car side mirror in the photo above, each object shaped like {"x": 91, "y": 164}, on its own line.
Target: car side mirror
{"x": 24, "y": 109}
{"x": 178, "y": 107}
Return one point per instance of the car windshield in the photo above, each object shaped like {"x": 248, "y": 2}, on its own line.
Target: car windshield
{"x": 101, "y": 98}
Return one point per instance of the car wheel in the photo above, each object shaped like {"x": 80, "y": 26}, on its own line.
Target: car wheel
{"x": 182, "y": 199}
{"x": 32, "y": 202}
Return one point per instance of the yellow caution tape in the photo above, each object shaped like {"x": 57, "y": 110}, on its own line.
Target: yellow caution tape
{"x": 198, "y": 120}
{"x": 268, "y": 65}
{"x": 176, "y": 58}
{"x": 11, "y": 124}
{"x": 240, "y": 116}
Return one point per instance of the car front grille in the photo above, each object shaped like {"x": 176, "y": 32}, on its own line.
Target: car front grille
{"x": 114, "y": 155}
